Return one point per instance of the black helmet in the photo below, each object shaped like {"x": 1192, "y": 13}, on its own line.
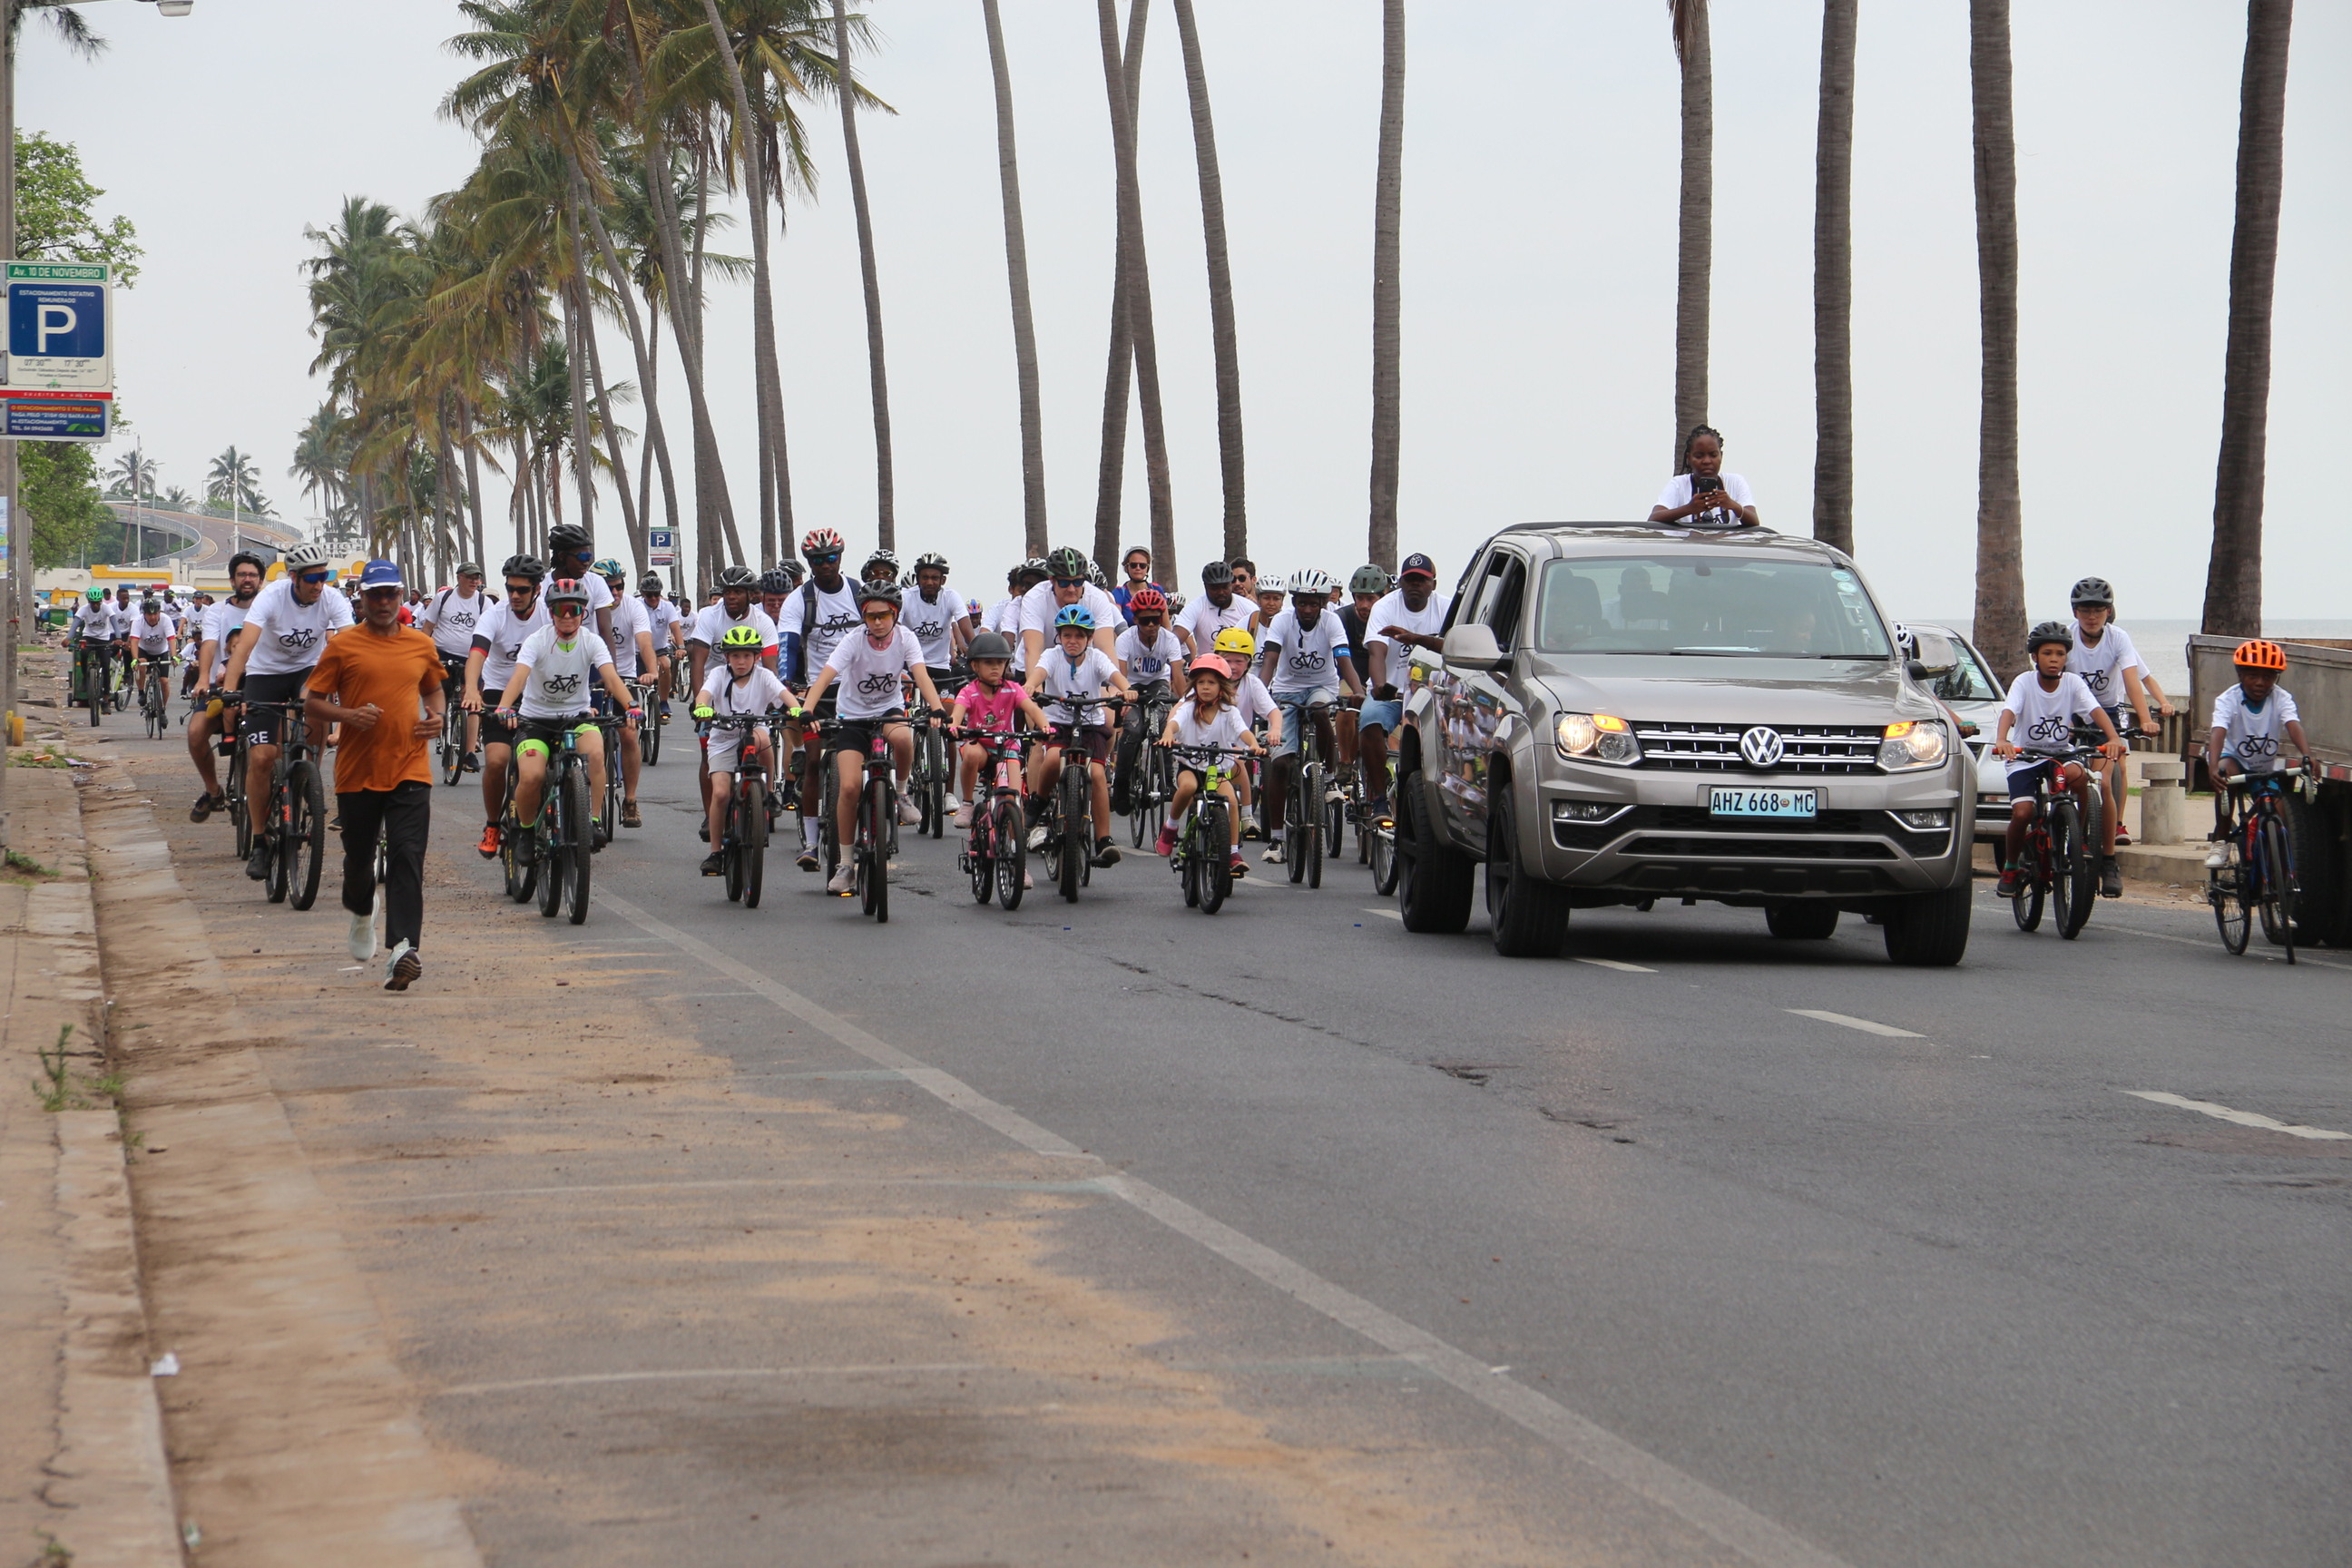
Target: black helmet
{"x": 931, "y": 558}
{"x": 775, "y": 579}
{"x": 1067, "y": 561}
{"x": 2058, "y": 632}
{"x": 2096, "y": 590}
{"x": 1033, "y": 567}
{"x": 1217, "y": 574}
{"x": 988, "y": 645}
{"x": 566, "y": 537}
{"x": 530, "y": 566}
{"x": 737, "y": 578}
{"x": 650, "y": 583}
{"x": 887, "y": 592}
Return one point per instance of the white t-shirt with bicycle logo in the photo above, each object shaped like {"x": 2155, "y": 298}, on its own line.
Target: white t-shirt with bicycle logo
{"x": 562, "y": 674}
{"x": 1310, "y": 655}
{"x": 867, "y": 677}
{"x": 289, "y": 635}
{"x": 2102, "y": 667}
{"x": 2251, "y": 736}
{"x": 2044, "y": 720}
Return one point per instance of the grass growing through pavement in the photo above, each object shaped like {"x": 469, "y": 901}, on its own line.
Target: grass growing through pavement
{"x": 20, "y": 867}
{"x": 59, "y": 1089}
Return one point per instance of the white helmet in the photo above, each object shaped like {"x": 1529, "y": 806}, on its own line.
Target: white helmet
{"x": 1311, "y": 581}
{"x": 305, "y": 555}
{"x": 1270, "y": 582}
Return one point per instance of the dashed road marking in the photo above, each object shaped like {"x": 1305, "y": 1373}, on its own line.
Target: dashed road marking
{"x": 1387, "y": 915}
{"x": 2224, "y": 1113}
{"x": 1619, "y": 965}
{"x": 1847, "y": 1020}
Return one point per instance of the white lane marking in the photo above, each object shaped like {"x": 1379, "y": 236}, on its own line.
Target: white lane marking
{"x": 2222, "y": 1113}
{"x": 1386, "y": 914}
{"x": 1867, "y": 1025}
{"x": 589, "y": 1379}
{"x": 1759, "y": 1539}
{"x": 2302, "y": 955}
{"x": 1618, "y": 965}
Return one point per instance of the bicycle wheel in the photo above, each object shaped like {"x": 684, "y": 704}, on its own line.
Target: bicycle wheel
{"x": 649, "y": 728}
{"x": 977, "y": 863}
{"x": 1209, "y": 850}
{"x": 753, "y": 804}
{"x": 277, "y": 826}
{"x": 306, "y": 834}
{"x": 240, "y": 810}
{"x": 1188, "y": 863}
{"x": 730, "y": 845}
{"x": 873, "y": 849}
{"x": 1382, "y": 857}
{"x": 2026, "y": 908}
{"x": 1070, "y": 863}
{"x": 2233, "y": 903}
{"x": 936, "y": 796}
{"x": 2278, "y": 885}
{"x": 1307, "y": 845}
{"x": 828, "y": 836}
{"x": 578, "y": 845}
{"x": 94, "y": 688}
{"x": 1012, "y": 852}
{"x": 453, "y": 744}
{"x": 517, "y": 855}
{"x": 2074, "y": 876}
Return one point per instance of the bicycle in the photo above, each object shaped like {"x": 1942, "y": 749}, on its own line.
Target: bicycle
{"x": 1153, "y": 782}
{"x": 878, "y": 821}
{"x": 518, "y": 865}
{"x": 1069, "y": 823}
{"x": 1311, "y": 824}
{"x": 996, "y": 853}
{"x": 2061, "y": 860}
{"x": 2260, "y": 875}
{"x": 561, "y": 841}
{"x": 294, "y": 814}
{"x": 743, "y": 839}
{"x": 451, "y": 744}
{"x": 1375, "y": 830}
{"x": 90, "y": 676}
{"x": 1203, "y": 857}
{"x": 233, "y": 746}
{"x": 642, "y": 695}
{"x": 155, "y": 694}
{"x": 933, "y": 771}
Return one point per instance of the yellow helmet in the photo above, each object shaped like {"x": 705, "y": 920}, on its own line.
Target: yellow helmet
{"x": 1236, "y": 639}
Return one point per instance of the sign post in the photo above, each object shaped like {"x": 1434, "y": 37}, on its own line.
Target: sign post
{"x": 56, "y": 358}
{"x": 661, "y": 547}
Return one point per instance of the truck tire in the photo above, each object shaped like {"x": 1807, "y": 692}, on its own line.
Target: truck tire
{"x": 1433, "y": 878}
{"x": 1929, "y": 930}
{"x": 1528, "y": 915}
{"x": 1800, "y": 920}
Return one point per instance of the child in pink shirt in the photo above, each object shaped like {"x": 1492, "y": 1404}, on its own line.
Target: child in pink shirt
{"x": 990, "y": 702}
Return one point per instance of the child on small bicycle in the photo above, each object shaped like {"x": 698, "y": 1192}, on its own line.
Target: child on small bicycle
{"x": 1256, "y": 704}
{"x": 988, "y": 701}
{"x": 2043, "y": 706}
{"x": 2249, "y": 721}
{"x": 870, "y": 669}
{"x": 1075, "y": 667}
{"x": 1196, "y": 726}
{"x": 742, "y": 687}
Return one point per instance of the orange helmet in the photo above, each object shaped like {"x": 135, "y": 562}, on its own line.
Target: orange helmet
{"x": 2257, "y": 654}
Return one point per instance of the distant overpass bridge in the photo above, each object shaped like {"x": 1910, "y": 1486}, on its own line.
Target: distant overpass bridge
{"x": 197, "y": 546}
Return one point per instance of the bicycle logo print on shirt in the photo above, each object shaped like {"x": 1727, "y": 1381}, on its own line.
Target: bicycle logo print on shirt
{"x": 296, "y": 639}
{"x": 879, "y": 684}
{"x": 2050, "y": 727}
{"x": 562, "y": 685}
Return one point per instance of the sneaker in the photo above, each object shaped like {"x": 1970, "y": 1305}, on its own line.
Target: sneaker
{"x": 2007, "y": 887}
{"x": 488, "y": 846}
{"x": 844, "y": 880}
{"x": 1106, "y": 853}
{"x": 909, "y": 813}
{"x": 2122, "y": 838}
{"x": 1027, "y": 881}
{"x": 256, "y": 865}
{"x": 1166, "y": 845}
{"x": 404, "y": 967}
{"x": 2111, "y": 878}
{"x": 363, "y": 937}
{"x": 963, "y": 817}
{"x": 1239, "y": 866}
{"x": 205, "y": 806}
{"x": 471, "y": 762}
{"x": 2217, "y": 858}
{"x": 710, "y": 864}
{"x": 702, "y": 830}
{"x": 807, "y": 861}
{"x": 629, "y": 817}
{"x": 1273, "y": 856}
{"x": 1038, "y": 832}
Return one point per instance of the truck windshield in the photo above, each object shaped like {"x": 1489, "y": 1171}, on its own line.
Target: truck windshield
{"x": 1739, "y": 607}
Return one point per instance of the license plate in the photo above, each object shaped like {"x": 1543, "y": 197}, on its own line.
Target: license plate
{"x": 1762, "y": 801}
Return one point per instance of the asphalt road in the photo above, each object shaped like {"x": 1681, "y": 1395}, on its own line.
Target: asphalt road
{"x": 1691, "y": 1246}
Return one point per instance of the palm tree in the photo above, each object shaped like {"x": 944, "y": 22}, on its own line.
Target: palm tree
{"x": 1833, "y": 282}
{"x": 1694, "y": 268}
{"x": 176, "y": 500}
{"x": 233, "y": 481}
{"x": 1119, "y": 83}
{"x": 322, "y": 458}
{"x": 1016, "y": 266}
{"x": 2233, "y": 578}
{"x": 2000, "y": 629}
{"x": 1387, "y": 295}
{"x": 885, "y": 503}
{"x": 133, "y": 474}
{"x": 1118, "y": 374}
{"x": 1221, "y": 336}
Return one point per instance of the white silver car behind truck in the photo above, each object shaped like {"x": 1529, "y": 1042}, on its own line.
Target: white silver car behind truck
{"x": 1623, "y": 714}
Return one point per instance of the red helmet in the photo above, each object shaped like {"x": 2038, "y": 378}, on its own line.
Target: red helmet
{"x": 2257, "y": 654}
{"x": 822, "y": 541}
{"x": 1147, "y": 598}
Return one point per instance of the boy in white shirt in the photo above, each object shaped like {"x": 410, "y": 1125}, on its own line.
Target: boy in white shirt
{"x": 1075, "y": 667}
{"x": 2043, "y": 706}
{"x": 742, "y": 688}
{"x": 868, "y": 667}
{"x": 2249, "y": 721}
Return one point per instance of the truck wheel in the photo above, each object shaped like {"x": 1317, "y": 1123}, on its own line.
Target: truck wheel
{"x": 1929, "y": 930}
{"x": 1433, "y": 879}
{"x": 1529, "y": 915}
{"x": 1800, "y": 920}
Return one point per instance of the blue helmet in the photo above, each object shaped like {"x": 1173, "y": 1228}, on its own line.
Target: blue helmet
{"x": 1076, "y": 616}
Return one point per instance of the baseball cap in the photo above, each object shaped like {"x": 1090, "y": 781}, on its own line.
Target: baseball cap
{"x": 379, "y": 574}
{"x": 1420, "y": 563}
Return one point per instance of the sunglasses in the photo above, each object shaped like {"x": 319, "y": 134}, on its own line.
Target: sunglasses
{"x": 1069, "y": 582}
{"x": 884, "y": 615}
{"x": 314, "y": 578}
{"x": 567, "y": 609}
{"x": 830, "y": 558}
{"x": 525, "y": 589}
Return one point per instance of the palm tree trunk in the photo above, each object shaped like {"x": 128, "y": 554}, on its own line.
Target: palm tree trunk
{"x": 2234, "y": 577}
{"x": 1223, "y": 342}
{"x": 2001, "y": 569}
{"x": 1016, "y": 266}
{"x": 473, "y": 476}
{"x": 645, "y": 447}
{"x": 1387, "y": 293}
{"x": 631, "y": 525}
{"x": 656, "y": 445}
{"x": 1116, "y": 81}
{"x": 1118, "y": 376}
{"x": 1833, "y": 282}
{"x": 1694, "y": 268}
{"x": 886, "y": 505}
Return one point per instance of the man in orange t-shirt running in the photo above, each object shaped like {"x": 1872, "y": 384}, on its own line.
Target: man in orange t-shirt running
{"x": 383, "y": 682}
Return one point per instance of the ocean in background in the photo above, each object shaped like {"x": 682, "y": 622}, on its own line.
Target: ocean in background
{"x": 2164, "y": 644}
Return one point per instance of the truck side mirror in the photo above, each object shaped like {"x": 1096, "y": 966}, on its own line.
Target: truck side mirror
{"x": 1934, "y": 655}
{"x": 1472, "y": 646}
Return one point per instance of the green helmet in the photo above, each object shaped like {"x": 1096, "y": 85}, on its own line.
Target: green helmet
{"x": 745, "y": 636}
{"x": 96, "y": 594}
{"x": 1067, "y": 561}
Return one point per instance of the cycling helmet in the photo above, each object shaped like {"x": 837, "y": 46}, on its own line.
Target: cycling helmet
{"x": 743, "y": 637}
{"x": 1034, "y": 567}
{"x": 567, "y": 591}
{"x": 97, "y": 596}
{"x": 305, "y": 555}
{"x": 151, "y": 607}
{"x": 737, "y": 578}
{"x": 1311, "y": 581}
{"x": 2093, "y": 591}
{"x": 867, "y": 593}
{"x": 608, "y": 569}
{"x": 650, "y": 583}
{"x": 1236, "y": 639}
{"x": 1175, "y": 604}
{"x": 2058, "y": 632}
{"x": 888, "y": 557}
{"x": 530, "y": 566}
{"x": 1369, "y": 579}
{"x": 1217, "y": 574}
{"x": 987, "y": 645}
{"x": 1094, "y": 575}
{"x": 1065, "y": 561}
{"x": 931, "y": 558}
{"x": 2257, "y": 653}
{"x": 567, "y": 537}
{"x": 1147, "y": 598}
{"x": 1906, "y": 640}
{"x": 822, "y": 541}
{"x": 1076, "y": 616}
{"x": 776, "y": 580}
{"x": 1209, "y": 664}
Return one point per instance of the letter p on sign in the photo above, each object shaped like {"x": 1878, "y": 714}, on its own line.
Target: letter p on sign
{"x": 53, "y": 320}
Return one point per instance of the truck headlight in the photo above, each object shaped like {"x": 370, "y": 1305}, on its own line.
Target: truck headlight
{"x": 1597, "y": 738}
{"x": 1913, "y": 744}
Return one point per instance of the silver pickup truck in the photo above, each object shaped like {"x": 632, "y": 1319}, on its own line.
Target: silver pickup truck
{"x": 1624, "y": 713}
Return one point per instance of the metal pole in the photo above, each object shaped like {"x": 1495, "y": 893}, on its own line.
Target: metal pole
{"x": 16, "y": 619}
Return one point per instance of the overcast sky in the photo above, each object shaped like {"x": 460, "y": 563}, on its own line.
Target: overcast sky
{"x": 1539, "y": 223}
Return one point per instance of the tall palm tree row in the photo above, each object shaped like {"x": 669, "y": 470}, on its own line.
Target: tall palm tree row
{"x": 1694, "y": 266}
{"x": 1833, "y": 282}
{"x": 2000, "y": 625}
{"x": 1387, "y": 293}
{"x": 1016, "y": 266}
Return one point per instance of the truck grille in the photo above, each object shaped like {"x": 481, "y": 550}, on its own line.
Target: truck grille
{"x": 1715, "y": 748}
{"x": 1693, "y": 830}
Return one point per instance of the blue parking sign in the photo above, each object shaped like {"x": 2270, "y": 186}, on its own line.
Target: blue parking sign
{"x": 57, "y": 321}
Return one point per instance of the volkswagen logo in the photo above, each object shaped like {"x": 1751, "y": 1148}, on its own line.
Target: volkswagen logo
{"x": 1761, "y": 747}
